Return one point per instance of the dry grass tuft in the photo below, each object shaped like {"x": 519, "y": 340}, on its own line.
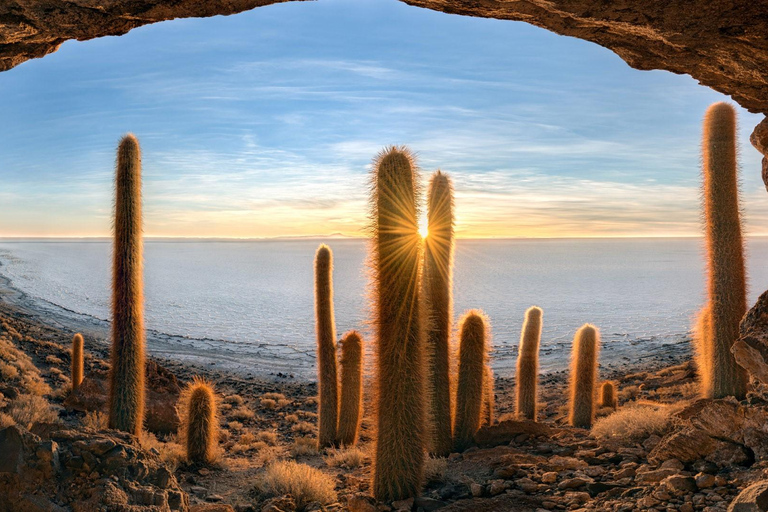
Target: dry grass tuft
{"x": 97, "y": 420}
{"x": 269, "y": 438}
{"x": 26, "y": 410}
{"x": 234, "y": 400}
{"x": 306, "y": 484}
{"x": 242, "y": 413}
{"x": 634, "y": 422}
{"x": 348, "y": 458}
{"x": 303, "y": 427}
{"x": 434, "y": 469}
{"x": 304, "y": 446}
{"x": 268, "y": 403}
{"x": 51, "y": 359}
{"x": 171, "y": 452}
{"x": 291, "y": 418}
{"x": 273, "y": 396}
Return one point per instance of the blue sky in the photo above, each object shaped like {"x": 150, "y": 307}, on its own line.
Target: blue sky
{"x": 264, "y": 124}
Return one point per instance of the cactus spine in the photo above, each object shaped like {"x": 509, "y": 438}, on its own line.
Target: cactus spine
{"x": 528, "y": 364}
{"x": 350, "y": 411}
{"x": 438, "y": 276}
{"x": 400, "y": 378}
{"x": 77, "y": 361}
{"x": 586, "y": 346}
{"x": 725, "y": 250}
{"x": 126, "y": 391}
{"x": 472, "y": 390}
{"x": 327, "y": 380}
{"x": 200, "y": 428}
{"x": 608, "y": 395}
{"x": 489, "y": 399}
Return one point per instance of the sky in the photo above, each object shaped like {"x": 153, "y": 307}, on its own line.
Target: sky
{"x": 265, "y": 123}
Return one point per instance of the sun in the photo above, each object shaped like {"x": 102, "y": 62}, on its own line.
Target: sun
{"x": 423, "y": 231}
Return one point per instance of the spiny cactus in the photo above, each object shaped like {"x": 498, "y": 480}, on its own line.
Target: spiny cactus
{"x": 472, "y": 390}
{"x": 586, "y": 346}
{"x": 702, "y": 350}
{"x": 528, "y": 364}
{"x": 438, "y": 277}
{"x": 350, "y": 410}
{"x": 77, "y": 361}
{"x": 200, "y": 428}
{"x": 327, "y": 380}
{"x": 400, "y": 371}
{"x": 126, "y": 390}
{"x": 489, "y": 399}
{"x": 608, "y": 395}
{"x": 725, "y": 250}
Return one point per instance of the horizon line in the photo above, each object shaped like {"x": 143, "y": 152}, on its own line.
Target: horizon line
{"x": 350, "y": 238}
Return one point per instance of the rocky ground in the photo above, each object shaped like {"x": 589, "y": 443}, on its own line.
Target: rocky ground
{"x": 663, "y": 449}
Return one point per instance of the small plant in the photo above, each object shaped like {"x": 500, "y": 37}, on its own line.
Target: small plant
{"x": 400, "y": 358}
{"x": 471, "y": 391}
{"x": 200, "y": 423}
{"x": 608, "y": 395}
{"x": 727, "y": 302}
{"x": 302, "y": 427}
{"x": 327, "y": 379}
{"x": 304, "y": 483}
{"x": 435, "y": 469}
{"x": 242, "y": 413}
{"x": 350, "y": 411}
{"x": 634, "y": 423}
{"x": 126, "y": 389}
{"x": 96, "y": 420}
{"x": 528, "y": 365}
{"x": 438, "y": 283}
{"x": 304, "y": 446}
{"x": 26, "y": 410}
{"x": 77, "y": 361}
{"x": 348, "y": 458}
{"x": 268, "y": 403}
{"x": 586, "y": 346}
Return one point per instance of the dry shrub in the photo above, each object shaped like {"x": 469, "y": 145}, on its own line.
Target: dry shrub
{"x": 348, "y": 458}
{"x": 434, "y": 469}
{"x": 171, "y": 452}
{"x": 26, "y": 410}
{"x": 235, "y": 425}
{"x": 16, "y": 366}
{"x": 273, "y": 396}
{"x": 97, "y": 420}
{"x": 268, "y": 403}
{"x": 242, "y": 413}
{"x": 304, "y": 446}
{"x": 267, "y": 437}
{"x": 303, "y": 427}
{"x": 291, "y": 418}
{"x": 283, "y": 403}
{"x": 306, "y": 484}
{"x": 7, "y": 371}
{"x": 52, "y": 359}
{"x": 6, "y": 420}
{"x": 234, "y": 400}
{"x": 634, "y": 422}
{"x": 629, "y": 393}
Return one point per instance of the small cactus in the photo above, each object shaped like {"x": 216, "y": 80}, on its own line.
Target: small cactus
{"x": 200, "y": 429}
{"x": 438, "y": 277}
{"x": 126, "y": 389}
{"x": 350, "y": 410}
{"x": 586, "y": 346}
{"x": 608, "y": 395}
{"x": 400, "y": 359}
{"x": 327, "y": 379}
{"x": 725, "y": 251}
{"x": 472, "y": 390}
{"x": 528, "y": 365}
{"x": 77, "y": 361}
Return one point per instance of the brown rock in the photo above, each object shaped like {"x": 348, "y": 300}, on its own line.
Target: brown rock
{"x": 361, "y": 503}
{"x": 211, "y": 508}
{"x": 506, "y": 431}
{"x": 679, "y": 485}
{"x": 752, "y": 499}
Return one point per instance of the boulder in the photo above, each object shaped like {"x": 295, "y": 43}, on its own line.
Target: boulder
{"x": 752, "y": 499}
{"x": 506, "y": 431}
{"x": 751, "y": 349}
{"x": 162, "y": 395}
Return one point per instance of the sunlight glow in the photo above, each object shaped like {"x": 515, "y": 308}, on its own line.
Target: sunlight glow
{"x": 423, "y": 230}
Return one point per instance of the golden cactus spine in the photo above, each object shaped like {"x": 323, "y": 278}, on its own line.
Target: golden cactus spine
{"x": 351, "y": 407}
{"x": 472, "y": 390}
{"x": 126, "y": 391}
{"x": 77, "y": 361}
{"x": 489, "y": 399}
{"x": 608, "y": 395}
{"x": 725, "y": 250}
{"x": 586, "y": 346}
{"x": 327, "y": 377}
{"x": 201, "y": 425}
{"x": 528, "y": 365}
{"x": 400, "y": 358}
{"x": 438, "y": 282}
{"x": 702, "y": 350}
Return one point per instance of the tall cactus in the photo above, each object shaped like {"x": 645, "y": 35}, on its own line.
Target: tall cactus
{"x": 586, "y": 346}
{"x": 350, "y": 410}
{"x": 77, "y": 361}
{"x": 725, "y": 250}
{"x": 528, "y": 365}
{"x": 327, "y": 379}
{"x": 200, "y": 430}
{"x": 471, "y": 390}
{"x": 126, "y": 390}
{"x": 400, "y": 379}
{"x": 438, "y": 277}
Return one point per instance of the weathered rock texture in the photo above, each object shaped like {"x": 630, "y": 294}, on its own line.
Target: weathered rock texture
{"x": 61, "y": 470}
{"x": 751, "y": 349}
